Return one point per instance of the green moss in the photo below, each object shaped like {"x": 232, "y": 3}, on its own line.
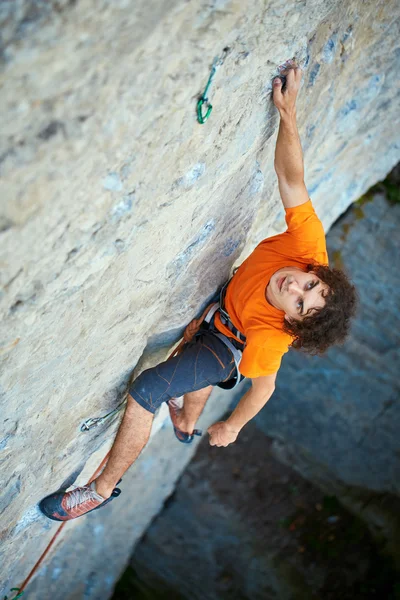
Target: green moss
{"x": 368, "y": 196}
{"x": 389, "y": 186}
{"x": 358, "y": 212}
{"x": 392, "y": 191}
{"x": 346, "y": 230}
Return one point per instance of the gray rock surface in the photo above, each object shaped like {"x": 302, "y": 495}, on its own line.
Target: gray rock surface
{"x": 120, "y": 214}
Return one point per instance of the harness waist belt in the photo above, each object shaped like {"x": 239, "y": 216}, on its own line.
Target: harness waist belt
{"x": 236, "y": 352}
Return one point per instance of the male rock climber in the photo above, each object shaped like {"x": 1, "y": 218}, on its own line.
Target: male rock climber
{"x": 284, "y": 294}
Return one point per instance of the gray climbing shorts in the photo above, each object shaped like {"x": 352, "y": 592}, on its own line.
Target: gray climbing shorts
{"x": 204, "y": 361}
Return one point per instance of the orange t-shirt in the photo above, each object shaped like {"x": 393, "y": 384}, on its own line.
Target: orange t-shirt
{"x": 302, "y": 243}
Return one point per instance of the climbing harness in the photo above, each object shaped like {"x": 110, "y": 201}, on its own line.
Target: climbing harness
{"x": 225, "y": 318}
{"x": 203, "y": 100}
{"x": 219, "y": 307}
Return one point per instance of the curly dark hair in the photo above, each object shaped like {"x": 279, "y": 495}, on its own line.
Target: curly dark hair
{"x": 330, "y": 324}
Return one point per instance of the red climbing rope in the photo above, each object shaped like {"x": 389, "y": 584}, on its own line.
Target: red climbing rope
{"x": 59, "y": 529}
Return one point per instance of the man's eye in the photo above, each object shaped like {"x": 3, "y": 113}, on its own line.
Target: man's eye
{"x": 299, "y": 305}
{"x": 310, "y": 285}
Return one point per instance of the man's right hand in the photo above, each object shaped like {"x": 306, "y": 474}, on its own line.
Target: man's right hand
{"x": 285, "y": 101}
{"x": 221, "y": 434}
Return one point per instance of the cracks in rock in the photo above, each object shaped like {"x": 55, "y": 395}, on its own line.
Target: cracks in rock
{"x": 18, "y": 273}
{"x": 72, "y": 253}
{"x": 118, "y": 322}
{"x": 70, "y": 480}
{"x": 29, "y": 298}
{"x": 387, "y": 405}
{"x": 51, "y": 130}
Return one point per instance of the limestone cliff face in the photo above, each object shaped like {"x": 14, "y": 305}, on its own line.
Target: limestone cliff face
{"x": 120, "y": 215}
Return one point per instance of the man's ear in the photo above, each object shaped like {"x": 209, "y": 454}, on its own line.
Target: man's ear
{"x": 289, "y": 319}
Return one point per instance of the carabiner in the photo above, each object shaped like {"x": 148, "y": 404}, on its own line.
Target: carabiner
{"x": 202, "y": 118}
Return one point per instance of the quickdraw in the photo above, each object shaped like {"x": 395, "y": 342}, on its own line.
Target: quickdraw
{"x": 17, "y": 596}
{"x": 96, "y": 421}
{"x": 203, "y": 100}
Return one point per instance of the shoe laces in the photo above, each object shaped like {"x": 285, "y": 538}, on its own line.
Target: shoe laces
{"x": 81, "y": 495}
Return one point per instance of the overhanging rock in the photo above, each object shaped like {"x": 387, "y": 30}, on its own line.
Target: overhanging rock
{"x": 120, "y": 214}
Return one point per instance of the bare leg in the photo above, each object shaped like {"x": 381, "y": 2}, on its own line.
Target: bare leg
{"x": 192, "y": 408}
{"x": 131, "y": 438}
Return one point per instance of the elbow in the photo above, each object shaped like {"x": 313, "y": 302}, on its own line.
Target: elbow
{"x": 290, "y": 179}
{"x": 279, "y": 170}
{"x": 292, "y": 174}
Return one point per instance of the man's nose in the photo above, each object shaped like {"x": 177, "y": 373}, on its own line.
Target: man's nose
{"x": 294, "y": 287}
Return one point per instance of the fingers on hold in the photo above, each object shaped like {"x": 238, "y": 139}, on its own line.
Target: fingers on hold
{"x": 298, "y": 72}
{"x": 291, "y": 75}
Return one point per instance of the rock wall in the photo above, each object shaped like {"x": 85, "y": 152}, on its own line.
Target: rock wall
{"x": 120, "y": 215}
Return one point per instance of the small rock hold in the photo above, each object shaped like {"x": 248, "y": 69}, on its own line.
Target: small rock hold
{"x": 190, "y": 178}
{"x": 71, "y": 254}
{"x": 112, "y": 182}
{"x": 230, "y": 246}
{"x": 18, "y": 304}
{"x": 120, "y": 245}
{"x": 52, "y": 129}
{"x": 122, "y": 208}
{"x": 5, "y": 223}
{"x": 329, "y": 49}
{"x": 256, "y": 183}
{"x": 313, "y": 74}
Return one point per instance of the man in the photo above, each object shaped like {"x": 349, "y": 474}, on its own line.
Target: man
{"x": 284, "y": 294}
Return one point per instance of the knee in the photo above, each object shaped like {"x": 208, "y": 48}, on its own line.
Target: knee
{"x": 139, "y": 413}
{"x": 141, "y": 393}
{"x": 130, "y": 402}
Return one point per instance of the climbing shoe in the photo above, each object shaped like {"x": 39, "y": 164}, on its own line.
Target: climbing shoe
{"x": 64, "y": 506}
{"x": 175, "y": 406}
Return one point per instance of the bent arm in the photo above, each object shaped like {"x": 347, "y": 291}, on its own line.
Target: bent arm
{"x": 289, "y": 164}
{"x": 252, "y": 402}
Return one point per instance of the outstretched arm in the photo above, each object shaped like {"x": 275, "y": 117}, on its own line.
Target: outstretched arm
{"x": 288, "y": 153}
{"x": 224, "y": 433}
